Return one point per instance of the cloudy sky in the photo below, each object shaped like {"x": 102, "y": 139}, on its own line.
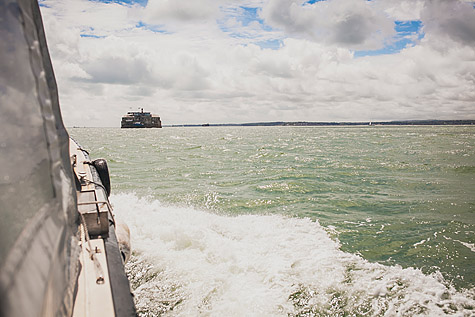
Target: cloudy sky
{"x": 231, "y": 61}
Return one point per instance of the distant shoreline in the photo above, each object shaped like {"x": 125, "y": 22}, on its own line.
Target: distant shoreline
{"x": 313, "y": 124}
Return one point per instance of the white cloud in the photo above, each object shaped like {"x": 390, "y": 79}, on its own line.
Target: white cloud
{"x": 450, "y": 19}
{"x": 160, "y": 11}
{"x": 401, "y": 10}
{"x": 193, "y": 71}
{"x": 356, "y": 24}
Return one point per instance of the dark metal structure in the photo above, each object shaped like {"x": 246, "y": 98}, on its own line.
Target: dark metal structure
{"x": 140, "y": 119}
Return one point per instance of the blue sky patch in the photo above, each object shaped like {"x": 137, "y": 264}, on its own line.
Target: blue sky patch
{"x": 408, "y": 33}
{"x": 41, "y": 4}
{"x": 92, "y": 36}
{"x": 408, "y": 27}
{"x": 270, "y": 44}
{"x": 244, "y": 15}
{"x": 248, "y": 18}
{"x": 89, "y": 32}
{"x": 142, "y": 3}
{"x": 151, "y": 27}
{"x": 249, "y": 15}
{"x": 388, "y": 49}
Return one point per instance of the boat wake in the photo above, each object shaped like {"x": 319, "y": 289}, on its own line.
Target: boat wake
{"x": 190, "y": 262}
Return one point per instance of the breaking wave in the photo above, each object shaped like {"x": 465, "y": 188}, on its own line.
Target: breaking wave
{"x": 190, "y": 262}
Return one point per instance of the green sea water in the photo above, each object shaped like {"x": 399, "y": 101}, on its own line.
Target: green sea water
{"x": 401, "y": 198}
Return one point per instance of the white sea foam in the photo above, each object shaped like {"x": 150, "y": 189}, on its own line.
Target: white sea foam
{"x": 471, "y": 246}
{"x": 189, "y": 262}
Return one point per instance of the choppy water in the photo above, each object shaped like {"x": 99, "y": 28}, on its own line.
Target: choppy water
{"x": 296, "y": 221}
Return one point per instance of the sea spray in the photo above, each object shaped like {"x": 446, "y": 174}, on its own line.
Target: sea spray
{"x": 190, "y": 262}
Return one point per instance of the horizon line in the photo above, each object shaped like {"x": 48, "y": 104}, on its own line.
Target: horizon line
{"x": 316, "y": 123}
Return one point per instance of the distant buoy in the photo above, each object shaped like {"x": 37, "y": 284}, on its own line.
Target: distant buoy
{"x": 103, "y": 171}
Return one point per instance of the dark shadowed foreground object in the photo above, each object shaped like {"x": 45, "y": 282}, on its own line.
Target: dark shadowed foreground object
{"x": 39, "y": 227}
